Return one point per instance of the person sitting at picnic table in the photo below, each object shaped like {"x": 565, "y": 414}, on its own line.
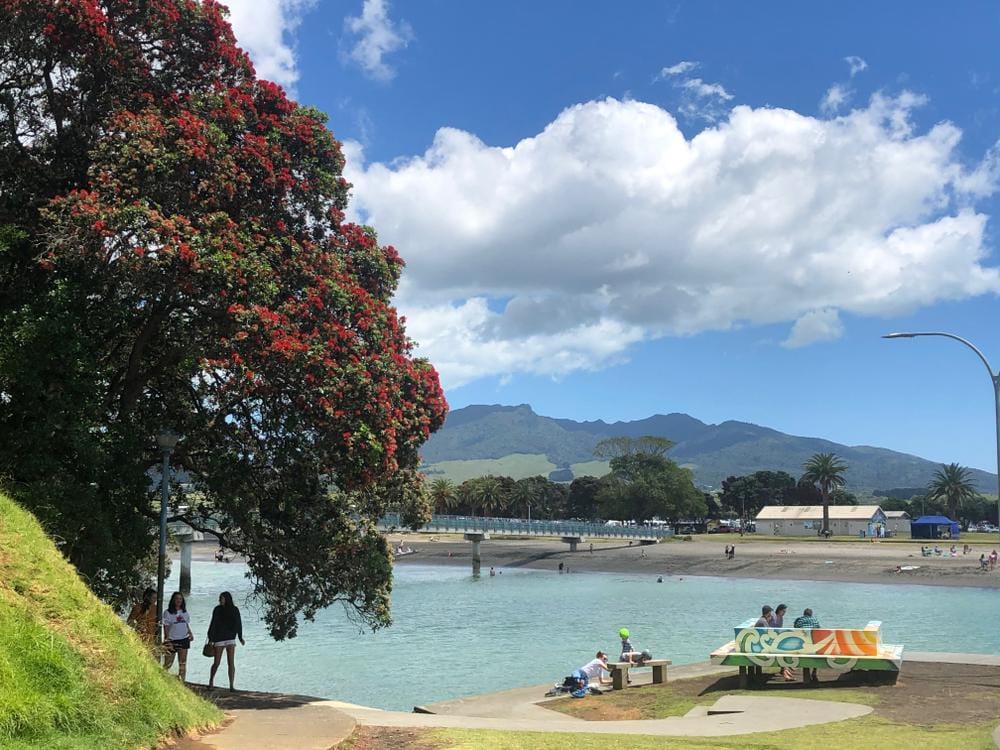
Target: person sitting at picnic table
{"x": 777, "y": 620}
{"x": 764, "y": 621}
{"x": 806, "y": 620}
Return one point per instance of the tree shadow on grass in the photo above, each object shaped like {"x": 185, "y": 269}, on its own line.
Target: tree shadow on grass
{"x": 772, "y": 683}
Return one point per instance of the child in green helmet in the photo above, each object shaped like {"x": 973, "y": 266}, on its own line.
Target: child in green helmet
{"x": 629, "y": 653}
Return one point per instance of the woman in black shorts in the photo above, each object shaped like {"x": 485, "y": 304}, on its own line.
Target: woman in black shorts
{"x": 177, "y": 634}
{"x": 223, "y": 632}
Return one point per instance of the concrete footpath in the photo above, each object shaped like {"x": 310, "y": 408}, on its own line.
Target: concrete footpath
{"x": 730, "y": 715}
{"x": 282, "y": 722}
{"x": 517, "y": 710}
{"x": 270, "y": 721}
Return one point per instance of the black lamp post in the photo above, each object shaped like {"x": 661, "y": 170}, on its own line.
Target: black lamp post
{"x": 994, "y": 378}
{"x": 166, "y": 441}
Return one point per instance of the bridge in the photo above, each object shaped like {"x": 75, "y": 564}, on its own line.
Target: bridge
{"x": 476, "y": 529}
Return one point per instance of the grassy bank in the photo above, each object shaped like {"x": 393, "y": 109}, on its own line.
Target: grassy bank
{"x": 72, "y": 675}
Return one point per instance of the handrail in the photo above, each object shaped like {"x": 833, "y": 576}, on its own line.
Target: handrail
{"x": 519, "y": 526}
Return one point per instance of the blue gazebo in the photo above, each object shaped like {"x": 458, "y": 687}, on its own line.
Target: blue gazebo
{"x": 934, "y": 527}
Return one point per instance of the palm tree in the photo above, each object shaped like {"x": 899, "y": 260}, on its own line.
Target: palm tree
{"x": 489, "y": 494}
{"x": 953, "y": 484}
{"x": 826, "y": 471}
{"x": 443, "y": 495}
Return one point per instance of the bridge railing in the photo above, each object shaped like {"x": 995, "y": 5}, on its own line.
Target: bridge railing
{"x": 520, "y": 526}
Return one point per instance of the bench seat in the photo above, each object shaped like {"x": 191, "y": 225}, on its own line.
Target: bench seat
{"x": 619, "y": 671}
{"x": 837, "y": 649}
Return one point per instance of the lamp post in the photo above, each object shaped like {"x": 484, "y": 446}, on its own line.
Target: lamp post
{"x": 994, "y": 378}
{"x": 166, "y": 441}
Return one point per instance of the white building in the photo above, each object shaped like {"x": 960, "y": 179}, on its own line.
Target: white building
{"x": 807, "y": 520}
{"x": 898, "y": 522}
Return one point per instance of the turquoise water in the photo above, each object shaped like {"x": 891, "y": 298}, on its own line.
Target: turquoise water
{"x": 454, "y": 635}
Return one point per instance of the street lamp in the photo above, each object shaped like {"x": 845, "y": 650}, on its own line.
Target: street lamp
{"x": 166, "y": 441}
{"x": 994, "y": 378}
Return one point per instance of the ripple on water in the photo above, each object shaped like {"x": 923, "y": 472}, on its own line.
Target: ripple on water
{"x": 454, "y": 635}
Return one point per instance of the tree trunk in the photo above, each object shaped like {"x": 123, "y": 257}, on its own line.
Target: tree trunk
{"x": 826, "y": 510}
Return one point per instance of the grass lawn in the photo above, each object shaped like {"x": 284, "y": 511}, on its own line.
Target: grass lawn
{"x": 868, "y": 732}
{"x": 515, "y": 465}
{"x": 931, "y": 706}
{"x": 591, "y": 468}
{"x": 72, "y": 675}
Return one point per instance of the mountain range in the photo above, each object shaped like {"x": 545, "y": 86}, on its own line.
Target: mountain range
{"x": 514, "y": 440}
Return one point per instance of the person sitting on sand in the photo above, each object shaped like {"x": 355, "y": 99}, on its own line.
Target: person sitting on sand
{"x": 937, "y": 550}
{"x": 983, "y": 563}
{"x": 993, "y": 559}
{"x": 954, "y": 551}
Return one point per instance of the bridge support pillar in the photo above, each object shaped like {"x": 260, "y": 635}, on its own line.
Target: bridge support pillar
{"x": 476, "y": 538}
{"x": 185, "y": 585}
{"x": 572, "y": 541}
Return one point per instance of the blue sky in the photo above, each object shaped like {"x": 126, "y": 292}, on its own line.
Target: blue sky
{"x": 610, "y": 211}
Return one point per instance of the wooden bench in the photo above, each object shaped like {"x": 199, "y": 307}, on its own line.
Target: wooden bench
{"x": 619, "y": 671}
{"x": 839, "y": 649}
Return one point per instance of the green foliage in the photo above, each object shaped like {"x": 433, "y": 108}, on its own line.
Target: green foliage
{"x": 826, "y": 471}
{"x": 952, "y": 484}
{"x": 174, "y": 252}
{"x": 646, "y": 485}
{"x": 443, "y": 495}
{"x": 583, "y": 498}
{"x": 620, "y": 447}
{"x": 72, "y": 675}
{"x": 746, "y": 495}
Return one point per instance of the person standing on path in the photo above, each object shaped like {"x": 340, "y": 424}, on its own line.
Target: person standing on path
{"x": 143, "y": 617}
{"x": 226, "y": 627}
{"x": 177, "y": 634}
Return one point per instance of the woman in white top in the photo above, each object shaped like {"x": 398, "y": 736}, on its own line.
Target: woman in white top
{"x": 177, "y": 634}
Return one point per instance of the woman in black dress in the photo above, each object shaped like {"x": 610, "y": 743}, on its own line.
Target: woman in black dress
{"x": 226, "y": 627}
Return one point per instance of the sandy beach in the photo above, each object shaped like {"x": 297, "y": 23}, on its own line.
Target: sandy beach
{"x": 760, "y": 557}
{"x": 704, "y": 556}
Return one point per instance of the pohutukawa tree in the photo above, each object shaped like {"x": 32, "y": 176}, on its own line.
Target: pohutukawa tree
{"x": 173, "y": 251}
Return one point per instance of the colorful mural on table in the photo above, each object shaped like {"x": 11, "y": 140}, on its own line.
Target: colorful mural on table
{"x": 840, "y": 649}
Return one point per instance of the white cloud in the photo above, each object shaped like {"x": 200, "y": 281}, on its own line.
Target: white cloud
{"x": 836, "y": 97}
{"x": 610, "y": 226}
{"x": 706, "y": 90}
{"x": 377, "y": 36}
{"x": 467, "y": 341}
{"x": 817, "y": 325}
{"x": 678, "y": 69}
{"x": 855, "y": 64}
{"x": 263, "y": 28}
{"x": 698, "y": 99}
